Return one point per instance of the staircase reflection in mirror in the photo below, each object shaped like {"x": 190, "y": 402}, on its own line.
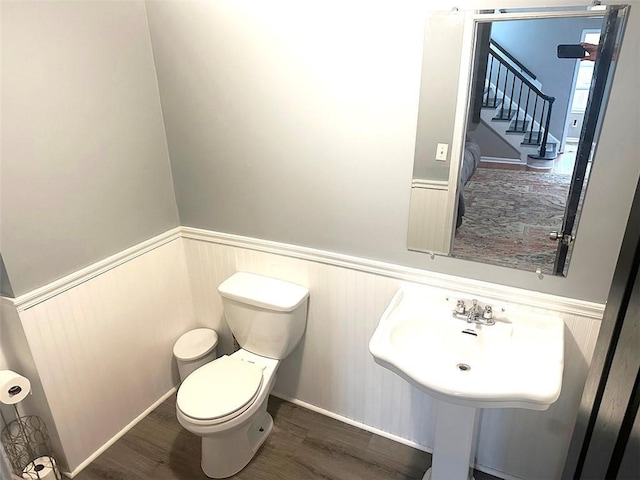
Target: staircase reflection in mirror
{"x": 530, "y": 177}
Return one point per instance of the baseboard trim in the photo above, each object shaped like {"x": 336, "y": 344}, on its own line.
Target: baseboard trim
{"x": 34, "y": 297}
{"x": 414, "y": 275}
{"x": 430, "y": 184}
{"x": 353, "y": 423}
{"x": 382, "y": 433}
{"x": 119, "y": 435}
{"x": 508, "y": 161}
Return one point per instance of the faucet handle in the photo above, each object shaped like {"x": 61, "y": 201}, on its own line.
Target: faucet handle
{"x": 488, "y": 312}
{"x": 461, "y": 307}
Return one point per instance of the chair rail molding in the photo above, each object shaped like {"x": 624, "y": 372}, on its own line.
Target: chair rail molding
{"x": 414, "y": 275}
{"x": 40, "y": 294}
{"x": 409, "y": 274}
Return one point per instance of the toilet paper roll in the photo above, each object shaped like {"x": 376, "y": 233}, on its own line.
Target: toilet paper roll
{"x": 42, "y": 468}
{"x": 13, "y": 387}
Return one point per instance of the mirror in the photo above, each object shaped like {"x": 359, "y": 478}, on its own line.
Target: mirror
{"x": 507, "y": 130}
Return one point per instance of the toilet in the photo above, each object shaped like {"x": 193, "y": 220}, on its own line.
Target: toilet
{"x": 225, "y": 401}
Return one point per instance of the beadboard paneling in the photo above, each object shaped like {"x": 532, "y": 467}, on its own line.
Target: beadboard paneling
{"x": 103, "y": 348}
{"x": 17, "y": 357}
{"x": 333, "y": 370}
{"x": 102, "y": 345}
{"x": 462, "y": 285}
{"x": 429, "y": 221}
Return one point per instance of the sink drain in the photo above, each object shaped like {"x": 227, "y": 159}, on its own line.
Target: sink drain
{"x": 463, "y": 367}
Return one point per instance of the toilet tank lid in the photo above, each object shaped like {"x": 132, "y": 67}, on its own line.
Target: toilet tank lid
{"x": 264, "y": 292}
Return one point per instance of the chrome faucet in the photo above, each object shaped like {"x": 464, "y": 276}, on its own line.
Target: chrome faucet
{"x": 476, "y": 314}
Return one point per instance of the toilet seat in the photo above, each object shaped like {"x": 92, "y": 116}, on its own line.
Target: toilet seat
{"x": 220, "y": 390}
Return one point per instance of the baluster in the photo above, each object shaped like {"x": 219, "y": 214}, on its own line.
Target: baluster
{"x": 526, "y": 110}
{"x": 495, "y": 95}
{"x": 504, "y": 93}
{"x": 486, "y": 103}
{"x": 504, "y": 90}
{"x": 518, "y": 111}
{"x": 533, "y": 118}
{"x": 543, "y": 147}
{"x": 513, "y": 84}
{"x": 544, "y": 105}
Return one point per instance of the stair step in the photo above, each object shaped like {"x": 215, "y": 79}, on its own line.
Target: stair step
{"x": 539, "y": 164}
{"x": 534, "y": 138}
{"x": 504, "y": 116}
{"x": 489, "y": 91}
{"x": 552, "y": 148}
{"x": 550, "y": 154}
{"x": 519, "y": 124}
{"x": 521, "y": 127}
{"x": 492, "y": 102}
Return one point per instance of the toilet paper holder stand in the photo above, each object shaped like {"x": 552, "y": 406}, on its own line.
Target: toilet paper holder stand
{"x": 28, "y": 447}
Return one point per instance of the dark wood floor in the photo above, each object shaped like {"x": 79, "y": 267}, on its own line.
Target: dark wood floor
{"x": 303, "y": 445}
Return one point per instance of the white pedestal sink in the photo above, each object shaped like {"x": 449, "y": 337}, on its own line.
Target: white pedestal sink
{"x": 455, "y": 446}
{"x": 515, "y": 363}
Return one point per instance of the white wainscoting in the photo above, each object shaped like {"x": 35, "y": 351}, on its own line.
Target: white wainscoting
{"x": 333, "y": 371}
{"x": 430, "y": 223}
{"x": 103, "y": 347}
{"x": 101, "y": 341}
{"x": 17, "y": 357}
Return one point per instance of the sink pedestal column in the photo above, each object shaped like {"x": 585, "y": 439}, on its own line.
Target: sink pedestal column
{"x": 455, "y": 443}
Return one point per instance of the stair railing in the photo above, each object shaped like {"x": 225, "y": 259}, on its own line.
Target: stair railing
{"x": 504, "y": 76}
{"x": 505, "y": 53}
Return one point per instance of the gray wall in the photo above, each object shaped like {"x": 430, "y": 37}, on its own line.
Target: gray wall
{"x": 285, "y": 122}
{"x": 282, "y": 131}
{"x": 534, "y": 43}
{"x": 493, "y": 144}
{"x": 291, "y": 123}
{"x": 5, "y": 284}
{"x": 85, "y": 169}
{"x": 437, "y": 88}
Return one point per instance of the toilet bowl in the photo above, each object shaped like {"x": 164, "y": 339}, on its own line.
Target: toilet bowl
{"x": 225, "y": 401}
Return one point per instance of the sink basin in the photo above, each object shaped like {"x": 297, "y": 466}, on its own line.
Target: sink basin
{"x": 517, "y": 362}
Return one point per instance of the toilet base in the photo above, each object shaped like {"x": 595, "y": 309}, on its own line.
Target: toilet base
{"x": 228, "y": 447}
{"x": 225, "y": 455}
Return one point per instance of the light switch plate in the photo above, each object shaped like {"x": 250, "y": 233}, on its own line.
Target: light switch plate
{"x": 441, "y": 152}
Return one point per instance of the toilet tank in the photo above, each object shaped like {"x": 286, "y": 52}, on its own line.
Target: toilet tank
{"x": 267, "y": 316}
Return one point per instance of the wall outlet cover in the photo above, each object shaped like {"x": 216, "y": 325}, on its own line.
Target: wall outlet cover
{"x": 441, "y": 152}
